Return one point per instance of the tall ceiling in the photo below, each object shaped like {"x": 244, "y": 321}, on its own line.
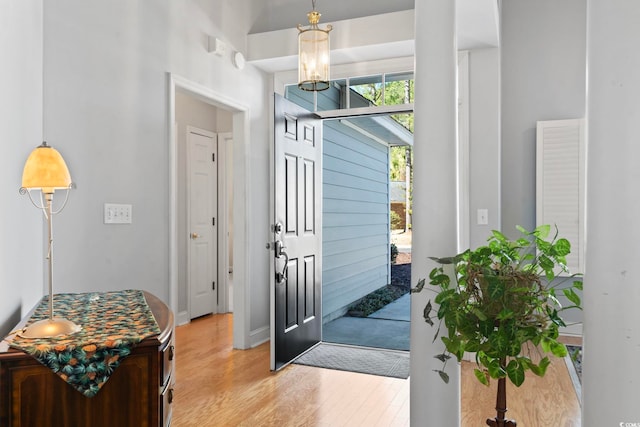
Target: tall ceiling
{"x": 273, "y": 29}
{"x": 281, "y": 14}
{"x": 477, "y": 20}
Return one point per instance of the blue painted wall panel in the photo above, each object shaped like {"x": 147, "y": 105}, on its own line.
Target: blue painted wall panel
{"x": 355, "y": 217}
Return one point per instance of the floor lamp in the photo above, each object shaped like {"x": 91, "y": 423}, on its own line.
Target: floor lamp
{"x": 45, "y": 171}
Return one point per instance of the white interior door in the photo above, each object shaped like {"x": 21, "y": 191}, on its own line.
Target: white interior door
{"x": 202, "y": 190}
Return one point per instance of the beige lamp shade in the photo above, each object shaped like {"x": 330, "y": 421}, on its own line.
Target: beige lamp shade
{"x": 45, "y": 170}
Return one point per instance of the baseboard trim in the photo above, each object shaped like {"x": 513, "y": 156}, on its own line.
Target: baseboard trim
{"x": 183, "y": 318}
{"x": 572, "y": 330}
{"x": 259, "y": 336}
{"x": 577, "y": 385}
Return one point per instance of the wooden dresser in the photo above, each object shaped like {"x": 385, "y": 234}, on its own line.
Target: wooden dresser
{"x": 138, "y": 394}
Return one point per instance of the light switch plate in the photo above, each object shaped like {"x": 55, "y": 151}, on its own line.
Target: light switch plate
{"x": 118, "y": 213}
{"x": 483, "y": 217}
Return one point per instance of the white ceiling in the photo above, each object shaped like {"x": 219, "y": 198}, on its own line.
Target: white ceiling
{"x": 477, "y": 27}
{"x": 281, "y": 14}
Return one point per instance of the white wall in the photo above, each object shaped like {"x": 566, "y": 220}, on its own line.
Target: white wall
{"x": 611, "y": 377}
{"x": 484, "y": 142}
{"x": 106, "y": 100}
{"x": 543, "y": 78}
{"x": 21, "y": 225}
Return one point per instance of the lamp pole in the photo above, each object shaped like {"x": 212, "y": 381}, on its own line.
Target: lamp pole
{"x": 48, "y": 213}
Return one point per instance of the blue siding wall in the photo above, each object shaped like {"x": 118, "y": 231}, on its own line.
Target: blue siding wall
{"x": 355, "y": 217}
{"x": 355, "y": 221}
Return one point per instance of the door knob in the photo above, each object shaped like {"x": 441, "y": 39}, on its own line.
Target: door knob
{"x": 194, "y": 235}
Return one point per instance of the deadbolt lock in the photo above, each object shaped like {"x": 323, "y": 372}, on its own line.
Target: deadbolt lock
{"x": 277, "y": 228}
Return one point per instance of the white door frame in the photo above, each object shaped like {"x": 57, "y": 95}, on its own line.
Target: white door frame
{"x": 464, "y": 186}
{"x": 241, "y": 295}
{"x": 225, "y": 143}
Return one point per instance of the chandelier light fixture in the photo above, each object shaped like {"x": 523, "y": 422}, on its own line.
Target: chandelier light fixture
{"x": 313, "y": 53}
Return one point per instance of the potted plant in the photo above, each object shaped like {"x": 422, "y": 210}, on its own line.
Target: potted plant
{"x": 500, "y": 302}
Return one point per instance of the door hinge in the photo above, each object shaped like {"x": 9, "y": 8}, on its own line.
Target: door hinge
{"x": 213, "y": 285}
{"x": 213, "y": 157}
{"x": 213, "y": 221}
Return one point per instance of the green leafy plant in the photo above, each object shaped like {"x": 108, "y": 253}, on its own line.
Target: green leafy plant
{"x": 377, "y": 299}
{"x": 393, "y": 252}
{"x": 500, "y": 302}
{"x": 396, "y": 221}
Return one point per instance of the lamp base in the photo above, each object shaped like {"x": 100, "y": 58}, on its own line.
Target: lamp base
{"x": 53, "y": 327}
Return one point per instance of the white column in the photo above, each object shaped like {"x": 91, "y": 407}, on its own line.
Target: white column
{"x": 611, "y": 374}
{"x": 433, "y": 403}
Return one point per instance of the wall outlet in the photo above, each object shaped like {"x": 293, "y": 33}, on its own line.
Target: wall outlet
{"x": 118, "y": 213}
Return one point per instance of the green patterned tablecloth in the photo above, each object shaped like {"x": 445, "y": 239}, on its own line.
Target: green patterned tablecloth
{"x": 112, "y": 324}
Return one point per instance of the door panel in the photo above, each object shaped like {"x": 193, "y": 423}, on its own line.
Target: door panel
{"x": 291, "y": 189}
{"x": 309, "y": 287}
{"x": 309, "y": 197}
{"x": 291, "y": 302}
{"x": 298, "y": 207}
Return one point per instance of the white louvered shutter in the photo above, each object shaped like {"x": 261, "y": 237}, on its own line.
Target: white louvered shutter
{"x": 560, "y": 183}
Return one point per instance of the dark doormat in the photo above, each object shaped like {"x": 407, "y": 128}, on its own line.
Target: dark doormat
{"x": 365, "y": 360}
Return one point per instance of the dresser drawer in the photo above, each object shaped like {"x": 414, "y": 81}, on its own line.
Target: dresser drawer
{"x": 167, "y": 405}
{"x": 168, "y": 362}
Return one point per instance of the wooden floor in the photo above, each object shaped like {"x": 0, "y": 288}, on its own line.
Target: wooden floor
{"x": 539, "y": 402}
{"x": 219, "y": 386}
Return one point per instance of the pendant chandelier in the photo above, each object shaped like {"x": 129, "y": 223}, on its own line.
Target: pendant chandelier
{"x": 313, "y": 54}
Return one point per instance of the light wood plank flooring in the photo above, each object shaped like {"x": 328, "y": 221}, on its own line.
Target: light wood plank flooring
{"x": 219, "y": 386}
{"x": 539, "y": 402}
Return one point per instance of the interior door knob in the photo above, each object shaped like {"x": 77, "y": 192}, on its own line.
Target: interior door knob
{"x": 194, "y": 235}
